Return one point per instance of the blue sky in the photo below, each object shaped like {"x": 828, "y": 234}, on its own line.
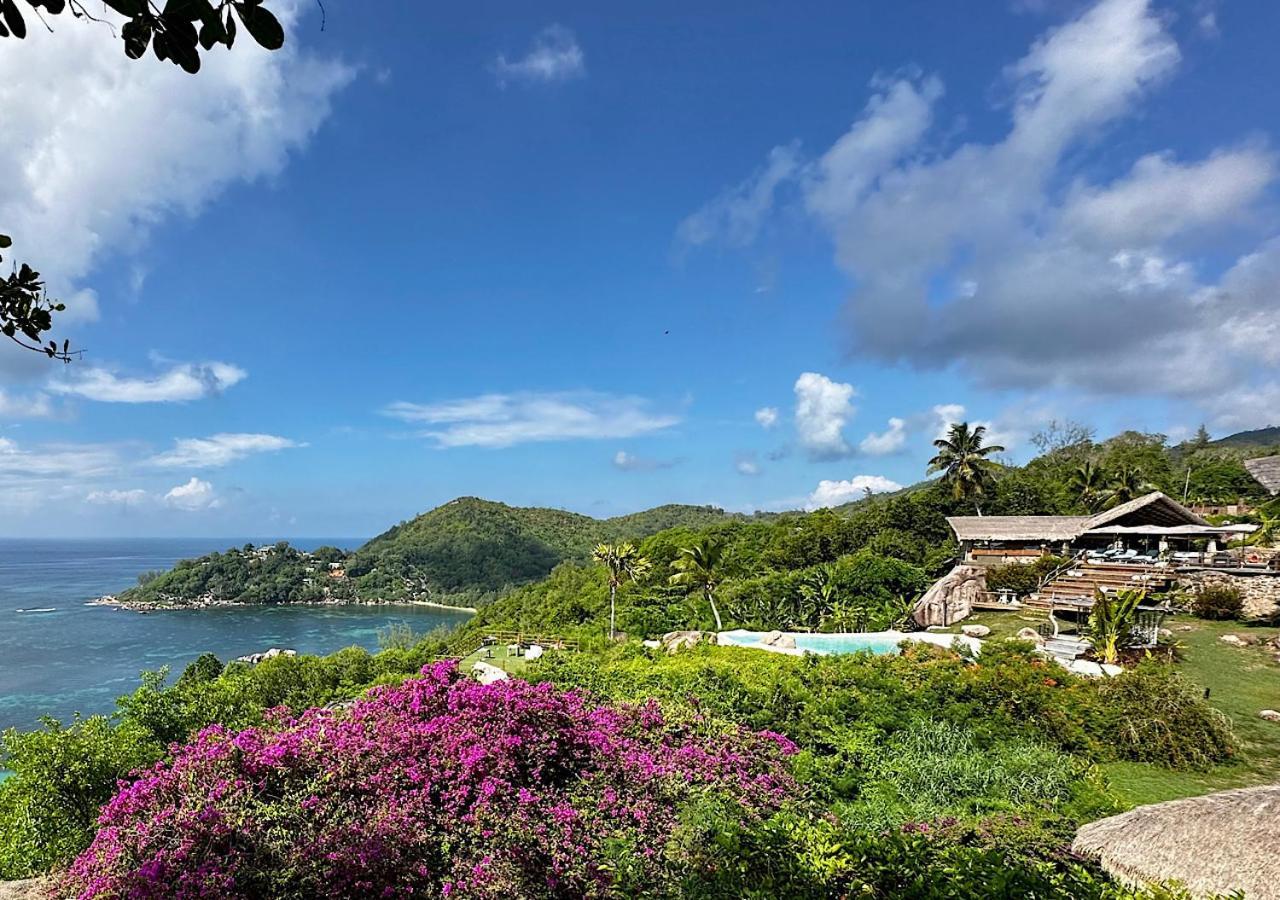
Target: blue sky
{"x": 605, "y": 258}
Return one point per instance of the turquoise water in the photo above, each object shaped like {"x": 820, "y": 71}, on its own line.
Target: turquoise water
{"x": 822, "y": 643}
{"x": 59, "y": 657}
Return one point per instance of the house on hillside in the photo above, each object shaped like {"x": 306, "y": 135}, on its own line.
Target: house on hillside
{"x": 1266, "y": 471}
{"x": 1147, "y": 527}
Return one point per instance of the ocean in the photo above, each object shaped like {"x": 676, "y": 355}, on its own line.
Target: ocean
{"x": 59, "y": 656}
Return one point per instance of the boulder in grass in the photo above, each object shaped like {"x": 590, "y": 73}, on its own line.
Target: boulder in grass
{"x": 975, "y": 631}
{"x": 486, "y": 673}
{"x": 1236, "y": 640}
{"x": 1030, "y": 634}
{"x": 1270, "y": 715}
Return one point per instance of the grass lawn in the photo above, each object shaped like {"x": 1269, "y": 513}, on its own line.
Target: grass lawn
{"x": 1241, "y": 681}
{"x": 500, "y": 658}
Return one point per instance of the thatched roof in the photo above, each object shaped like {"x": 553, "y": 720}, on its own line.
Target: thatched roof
{"x": 1018, "y": 528}
{"x": 1214, "y": 844}
{"x": 1267, "y": 471}
{"x": 1154, "y": 508}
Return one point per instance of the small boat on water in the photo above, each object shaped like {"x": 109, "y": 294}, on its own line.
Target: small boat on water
{"x": 38, "y": 609}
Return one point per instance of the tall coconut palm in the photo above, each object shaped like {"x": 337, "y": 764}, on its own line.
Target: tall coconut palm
{"x": 1127, "y": 483}
{"x": 962, "y": 458}
{"x": 700, "y": 567}
{"x": 1087, "y": 482}
{"x": 622, "y": 562}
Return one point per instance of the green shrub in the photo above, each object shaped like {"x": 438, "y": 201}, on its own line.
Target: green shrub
{"x": 1022, "y": 578}
{"x": 1218, "y": 601}
{"x": 1156, "y": 716}
{"x": 62, "y": 775}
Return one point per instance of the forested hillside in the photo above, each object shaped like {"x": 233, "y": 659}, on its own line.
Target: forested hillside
{"x": 464, "y": 552}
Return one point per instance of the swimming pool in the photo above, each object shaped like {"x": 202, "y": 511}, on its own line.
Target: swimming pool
{"x": 881, "y": 643}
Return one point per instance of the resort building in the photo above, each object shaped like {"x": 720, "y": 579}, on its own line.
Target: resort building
{"x": 1149, "y": 528}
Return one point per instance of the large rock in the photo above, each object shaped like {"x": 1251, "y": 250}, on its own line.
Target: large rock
{"x": 975, "y": 631}
{"x": 1270, "y": 715}
{"x": 779, "y": 640}
{"x": 487, "y": 673}
{"x": 1030, "y": 634}
{"x": 673, "y": 641}
{"x": 952, "y": 596}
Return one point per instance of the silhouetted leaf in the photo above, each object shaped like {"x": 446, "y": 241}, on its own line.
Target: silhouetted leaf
{"x": 13, "y": 18}
{"x": 136, "y": 34}
{"x": 262, "y": 25}
{"x": 130, "y": 8}
{"x": 5, "y": 242}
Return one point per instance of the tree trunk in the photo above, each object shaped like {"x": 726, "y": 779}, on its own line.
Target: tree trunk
{"x": 977, "y": 507}
{"x": 613, "y": 592}
{"x": 715, "y": 612}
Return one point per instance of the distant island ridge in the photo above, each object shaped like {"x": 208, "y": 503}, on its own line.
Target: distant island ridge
{"x": 459, "y": 555}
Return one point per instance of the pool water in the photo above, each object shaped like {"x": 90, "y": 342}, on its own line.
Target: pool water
{"x": 881, "y": 643}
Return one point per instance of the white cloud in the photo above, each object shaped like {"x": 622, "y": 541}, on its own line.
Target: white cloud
{"x": 193, "y": 496}
{"x": 736, "y": 216}
{"x": 219, "y": 450}
{"x": 110, "y": 147}
{"x": 823, "y": 407}
{"x": 504, "y": 420}
{"x": 834, "y": 493}
{"x": 746, "y": 464}
{"x": 35, "y": 406}
{"x": 554, "y": 56}
{"x": 56, "y": 461}
{"x": 190, "y": 381}
{"x": 888, "y": 441}
{"x": 628, "y": 462}
{"x": 129, "y": 498}
{"x": 767, "y": 416}
{"x": 1061, "y": 280}
{"x": 944, "y": 416}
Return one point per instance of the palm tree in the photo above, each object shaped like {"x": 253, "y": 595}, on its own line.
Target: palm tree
{"x": 700, "y": 567}
{"x": 621, "y": 561}
{"x": 1086, "y": 482}
{"x": 1268, "y": 532}
{"x": 1128, "y": 483}
{"x": 963, "y": 460}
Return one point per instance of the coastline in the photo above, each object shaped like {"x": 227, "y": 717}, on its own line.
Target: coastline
{"x": 112, "y": 600}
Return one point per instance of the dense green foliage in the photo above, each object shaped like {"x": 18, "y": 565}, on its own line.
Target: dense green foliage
{"x": 1218, "y": 601}
{"x": 1022, "y": 578}
{"x": 276, "y": 574}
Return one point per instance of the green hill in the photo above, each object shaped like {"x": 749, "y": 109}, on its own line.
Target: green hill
{"x": 469, "y": 548}
{"x": 1260, "y": 437}
{"x": 464, "y": 552}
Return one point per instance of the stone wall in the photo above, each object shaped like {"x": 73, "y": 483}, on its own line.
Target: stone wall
{"x": 1261, "y": 592}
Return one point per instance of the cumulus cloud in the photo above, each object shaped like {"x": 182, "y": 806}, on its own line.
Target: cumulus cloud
{"x": 629, "y": 462}
{"x": 834, "y": 493}
{"x": 1011, "y": 262}
{"x": 219, "y": 450}
{"x": 553, "y": 57}
{"x": 767, "y": 416}
{"x": 823, "y": 408}
{"x": 504, "y": 420}
{"x": 885, "y": 442}
{"x": 90, "y": 171}
{"x": 194, "y": 496}
{"x": 129, "y": 498}
{"x": 190, "y": 381}
{"x": 56, "y": 461}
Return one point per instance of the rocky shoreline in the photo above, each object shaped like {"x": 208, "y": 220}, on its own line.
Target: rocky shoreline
{"x": 207, "y": 601}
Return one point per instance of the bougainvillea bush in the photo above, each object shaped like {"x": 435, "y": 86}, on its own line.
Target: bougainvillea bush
{"x": 436, "y": 787}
